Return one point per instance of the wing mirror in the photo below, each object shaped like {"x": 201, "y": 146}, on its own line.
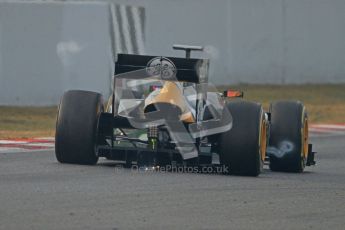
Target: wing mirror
{"x": 233, "y": 93}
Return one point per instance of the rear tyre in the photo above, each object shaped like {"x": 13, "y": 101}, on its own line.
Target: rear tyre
{"x": 76, "y": 127}
{"x": 288, "y": 146}
{"x": 242, "y": 149}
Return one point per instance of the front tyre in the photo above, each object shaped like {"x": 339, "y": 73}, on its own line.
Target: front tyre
{"x": 288, "y": 146}
{"x": 76, "y": 127}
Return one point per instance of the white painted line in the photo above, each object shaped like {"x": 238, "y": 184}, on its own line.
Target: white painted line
{"x": 41, "y": 144}
{"x": 330, "y": 127}
{"x": 327, "y": 130}
{"x": 12, "y": 142}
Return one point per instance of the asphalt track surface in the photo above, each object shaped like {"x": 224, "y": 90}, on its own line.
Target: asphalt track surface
{"x": 38, "y": 193}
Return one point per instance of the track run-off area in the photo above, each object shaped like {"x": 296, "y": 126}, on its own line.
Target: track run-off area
{"x": 19, "y": 145}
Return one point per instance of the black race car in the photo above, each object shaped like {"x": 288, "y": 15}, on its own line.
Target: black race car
{"x": 162, "y": 112}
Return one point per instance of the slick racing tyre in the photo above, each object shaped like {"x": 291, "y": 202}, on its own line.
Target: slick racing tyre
{"x": 243, "y": 147}
{"x": 288, "y": 145}
{"x": 76, "y": 127}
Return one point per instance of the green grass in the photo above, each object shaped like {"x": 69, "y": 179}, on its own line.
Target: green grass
{"x": 24, "y": 122}
{"x": 325, "y": 104}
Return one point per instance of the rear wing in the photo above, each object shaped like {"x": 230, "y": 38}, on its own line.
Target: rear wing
{"x": 166, "y": 68}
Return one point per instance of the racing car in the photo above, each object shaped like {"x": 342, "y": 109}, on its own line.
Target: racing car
{"x": 162, "y": 111}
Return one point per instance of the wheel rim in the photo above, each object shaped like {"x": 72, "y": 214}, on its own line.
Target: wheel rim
{"x": 263, "y": 139}
{"x": 305, "y": 137}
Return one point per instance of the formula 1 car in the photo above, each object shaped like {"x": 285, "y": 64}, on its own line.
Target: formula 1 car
{"x": 162, "y": 111}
